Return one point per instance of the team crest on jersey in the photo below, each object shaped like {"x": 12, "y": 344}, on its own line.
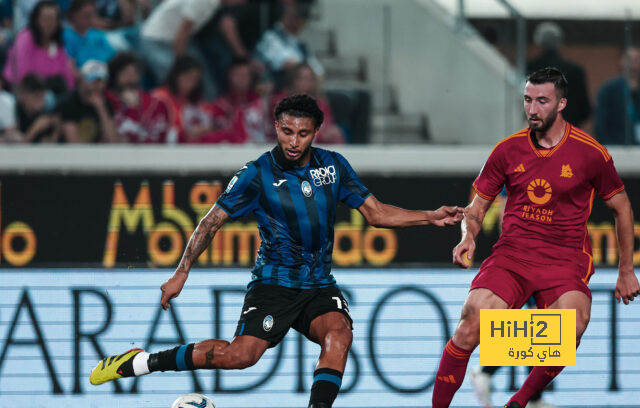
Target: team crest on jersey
{"x": 306, "y": 188}
{"x": 566, "y": 171}
{"x": 231, "y": 184}
{"x": 267, "y": 323}
{"x": 323, "y": 175}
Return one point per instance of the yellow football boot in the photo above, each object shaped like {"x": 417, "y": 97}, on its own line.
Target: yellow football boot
{"x": 114, "y": 367}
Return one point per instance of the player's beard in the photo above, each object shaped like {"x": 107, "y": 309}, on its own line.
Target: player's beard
{"x": 545, "y": 123}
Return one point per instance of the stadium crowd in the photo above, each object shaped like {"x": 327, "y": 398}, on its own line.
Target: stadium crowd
{"x": 211, "y": 71}
{"x": 145, "y": 71}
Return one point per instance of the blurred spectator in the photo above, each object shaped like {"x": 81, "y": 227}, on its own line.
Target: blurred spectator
{"x": 182, "y": 93}
{"x": 115, "y": 13}
{"x": 21, "y": 13}
{"x": 549, "y": 37}
{"x": 239, "y": 114}
{"x": 167, "y": 32}
{"x": 302, "y": 79}
{"x": 8, "y": 131}
{"x": 232, "y": 32}
{"x": 139, "y": 117}
{"x": 36, "y": 124}
{"x": 618, "y": 103}
{"x": 281, "y": 48}
{"x": 85, "y": 114}
{"x": 23, "y": 9}
{"x": 6, "y": 22}
{"x": 82, "y": 41}
{"x": 38, "y": 49}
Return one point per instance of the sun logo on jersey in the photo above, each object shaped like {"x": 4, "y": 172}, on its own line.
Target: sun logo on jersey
{"x": 539, "y": 191}
{"x": 566, "y": 171}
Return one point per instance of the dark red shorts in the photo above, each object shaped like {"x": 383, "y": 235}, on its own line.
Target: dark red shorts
{"x": 515, "y": 279}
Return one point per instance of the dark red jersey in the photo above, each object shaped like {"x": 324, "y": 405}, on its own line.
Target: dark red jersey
{"x": 550, "y": 194}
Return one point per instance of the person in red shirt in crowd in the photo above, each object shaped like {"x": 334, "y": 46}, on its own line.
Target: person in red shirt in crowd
{"x": 139, "y": 117}
{"x": 182, "y": 94}
{"x": 301, "y": 79}
{"x": 239, "y": 114}
{"x": 552, "y": 172}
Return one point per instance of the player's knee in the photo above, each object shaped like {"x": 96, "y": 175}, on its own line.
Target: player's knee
{"x": 470, "y": 312}
{"x": 468, "y": 334}
{"x": 337, "y": 341}
{"x": 468, "y": 331}
{"x": 581, "y": 327}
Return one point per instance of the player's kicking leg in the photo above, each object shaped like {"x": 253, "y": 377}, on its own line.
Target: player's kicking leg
{"x": 540, "y": 377}
{"x": 455, "y": 356}
{"x": 242, "y": 352}
{"x": 332, "y": 331}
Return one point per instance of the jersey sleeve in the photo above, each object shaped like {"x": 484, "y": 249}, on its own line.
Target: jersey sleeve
{"x": 242, "y": 193}
{"x": 492, "y": 177}
{"x": 606, "y": 180}
{"x": 351, "y": 190}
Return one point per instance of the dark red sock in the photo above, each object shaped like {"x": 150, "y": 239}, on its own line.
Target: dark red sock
{"x": 538, "y": 378}
{"x": 453, "y": 366}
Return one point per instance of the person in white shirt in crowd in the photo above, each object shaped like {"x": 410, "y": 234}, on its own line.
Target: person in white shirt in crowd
{"x": 281, "y": 48}
{"x": 167, "y": 33}
{"x": 8, "y": 131}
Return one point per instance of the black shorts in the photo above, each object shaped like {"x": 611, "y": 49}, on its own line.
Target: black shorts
{"x": 270, "y": 310}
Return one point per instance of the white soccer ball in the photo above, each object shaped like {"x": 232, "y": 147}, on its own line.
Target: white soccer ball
{"x": 193, "y": 401}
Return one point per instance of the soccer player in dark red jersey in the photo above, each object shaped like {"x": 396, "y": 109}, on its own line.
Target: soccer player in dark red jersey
{"x": 552, "y": 172}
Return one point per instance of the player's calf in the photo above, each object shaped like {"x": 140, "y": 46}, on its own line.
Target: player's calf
{"x": 334, "y": 335}
{"x": 335, "y": 346}
{"x": 222, "y": 354}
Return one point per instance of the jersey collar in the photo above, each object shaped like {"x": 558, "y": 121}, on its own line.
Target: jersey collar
{"x": 548, "y": 152}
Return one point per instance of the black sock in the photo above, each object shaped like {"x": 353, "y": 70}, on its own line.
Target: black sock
{"x": 176, "y": 359}
{"x": 326, "y": 384}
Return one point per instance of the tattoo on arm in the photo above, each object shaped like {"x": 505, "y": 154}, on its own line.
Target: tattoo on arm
{"x": 208, "y": 357}
{"x": 202, "y": 237}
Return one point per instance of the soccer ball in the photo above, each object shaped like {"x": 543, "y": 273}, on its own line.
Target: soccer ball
{"x": 193, "y": 401}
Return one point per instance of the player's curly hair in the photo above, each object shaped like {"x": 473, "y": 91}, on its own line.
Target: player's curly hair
{"x": 552, "y": 75}
{"x": 300, "y": 106}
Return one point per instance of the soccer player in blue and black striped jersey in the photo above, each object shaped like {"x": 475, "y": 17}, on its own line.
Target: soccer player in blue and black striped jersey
{"x": 293, "y": 190}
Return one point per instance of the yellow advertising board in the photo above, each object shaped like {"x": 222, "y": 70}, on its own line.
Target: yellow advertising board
{"x": 527, "y": 337}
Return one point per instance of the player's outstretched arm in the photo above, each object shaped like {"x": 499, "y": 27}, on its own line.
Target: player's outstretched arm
{"x": 199, "y": 241}
{"x": 627, "y": 287}
{"x": 388, "y": 216}
{"x": 471, "y": 224}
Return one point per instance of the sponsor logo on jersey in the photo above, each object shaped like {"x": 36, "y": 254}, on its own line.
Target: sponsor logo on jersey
{"x": 519, "y": 169}
{"x": 306, "y": 188}
{"x": 267, "y": 323}
{"x": 566, "y": 171}
{"x": 537, "y": 214}
{"x": 279, "y": 182}
{"x": 539, "y": 191}
{"x": 323, "y": 175}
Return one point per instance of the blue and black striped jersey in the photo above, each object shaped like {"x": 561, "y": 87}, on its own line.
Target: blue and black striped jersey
{"x": 296, "y": 210}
